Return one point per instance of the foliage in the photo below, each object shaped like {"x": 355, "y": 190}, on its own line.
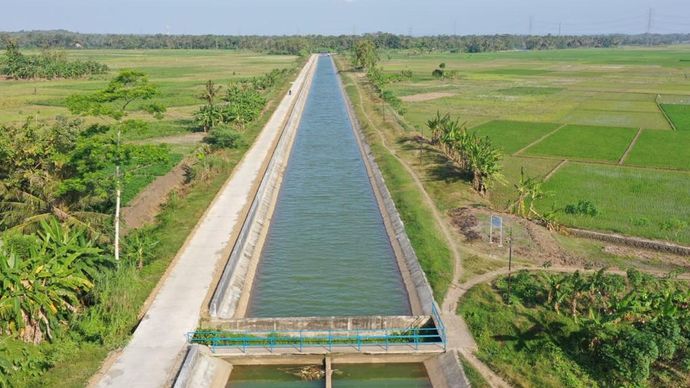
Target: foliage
{"x": 46, "y": 283}
{"x": 473, "y": 154}
{"x": 64, "y": 170}
{"x": 118, "y": 97}
{"x": 582, "y": 207}
{"x": 529, "y": 190}
{"x": 243, "y": 104}
{"x": 621, "y": 331}
{"x": 48, "y": 65}
{"x": 364, "y": 55}
{"x": 244, "y": 101}
{"x": 379, "y": 80}
{"x": 224, "y": 137}
{"x": 314, "y": 43}
{"x": 209, "y": 114}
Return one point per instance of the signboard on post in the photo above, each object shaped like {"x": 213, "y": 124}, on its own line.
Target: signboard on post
{"x": 496, "y": 227}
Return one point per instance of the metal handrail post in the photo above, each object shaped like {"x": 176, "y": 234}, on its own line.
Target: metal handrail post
{"x": 301, "y": 342}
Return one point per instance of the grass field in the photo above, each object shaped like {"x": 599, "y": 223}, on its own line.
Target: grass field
{"x": 180, "y": 75}
{"x": 600, "y": 97}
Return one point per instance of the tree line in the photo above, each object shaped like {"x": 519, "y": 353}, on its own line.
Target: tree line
{"x": 48, "y": 64}
{"x": 296, "y": 45}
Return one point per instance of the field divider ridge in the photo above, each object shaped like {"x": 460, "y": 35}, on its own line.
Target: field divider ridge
{"x": 663, "y": 112}
{"x": 523, "y": 149}
{"x": 554, "y": 170}
{"x": 630, "y": 147}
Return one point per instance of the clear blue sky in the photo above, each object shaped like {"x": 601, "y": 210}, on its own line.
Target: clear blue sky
{"x": 287, "y": 17}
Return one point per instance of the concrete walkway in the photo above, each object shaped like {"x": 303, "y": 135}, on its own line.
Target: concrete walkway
{"x": 150, "y": 358}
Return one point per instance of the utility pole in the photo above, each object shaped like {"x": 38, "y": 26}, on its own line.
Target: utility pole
{"x": 650, "y": 14}
{"x": 531, "y": 24}
{"x": 510, "y": 261}
{"x": 118, "y": 192}
{"x": 455, "y": 27}
{"x": 650, "y": 17}
{"x": 559, "y": 29}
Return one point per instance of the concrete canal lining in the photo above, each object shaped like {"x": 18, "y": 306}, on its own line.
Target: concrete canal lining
{"x": 235, "y": 287}
{"x": 152, "y": 356}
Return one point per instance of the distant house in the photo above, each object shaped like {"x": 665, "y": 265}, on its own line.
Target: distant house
{"x": 78, "y": 45}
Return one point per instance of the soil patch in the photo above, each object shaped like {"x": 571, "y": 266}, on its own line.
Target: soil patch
{"x": 145, "y": 206}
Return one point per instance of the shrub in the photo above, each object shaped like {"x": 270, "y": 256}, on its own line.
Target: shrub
{"x": 224, "y": 137}
{"x": 582, "y": 207}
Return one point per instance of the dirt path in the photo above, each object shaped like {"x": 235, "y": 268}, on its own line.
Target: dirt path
{"x": 426, "y": 96}
{"x": 187, "y": 138}
{"x": 146, "y": 205}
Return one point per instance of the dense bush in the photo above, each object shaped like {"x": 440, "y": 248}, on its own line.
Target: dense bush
{"x": 582, "y": 207}
{"x": 224, "y": 137}
{"x": 47, "y": 65}
{"x": 621, "y": 331}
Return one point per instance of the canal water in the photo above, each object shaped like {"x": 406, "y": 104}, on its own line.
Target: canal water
{"x": 327, "y": 251}
{"x": 344, "y": 376}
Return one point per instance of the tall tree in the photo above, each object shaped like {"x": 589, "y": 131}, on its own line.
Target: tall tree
{"x": 129, "y": 91}
{"x": 365, "y": 55}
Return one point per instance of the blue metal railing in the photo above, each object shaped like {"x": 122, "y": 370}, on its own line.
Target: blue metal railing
{"x": 440, "y": 326}
{"x": 329, "y": 339}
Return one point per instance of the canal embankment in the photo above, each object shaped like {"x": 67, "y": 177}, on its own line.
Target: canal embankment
{"x": 153, "y": 354}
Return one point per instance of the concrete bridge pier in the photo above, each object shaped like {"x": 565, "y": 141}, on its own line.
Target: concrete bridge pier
{"x": 329, "y": 371}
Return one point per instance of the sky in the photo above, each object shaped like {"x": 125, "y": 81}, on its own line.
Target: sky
{"x": 335, "y": 17}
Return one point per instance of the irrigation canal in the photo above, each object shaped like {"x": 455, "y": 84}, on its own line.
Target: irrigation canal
{"x": 327, "y": 252}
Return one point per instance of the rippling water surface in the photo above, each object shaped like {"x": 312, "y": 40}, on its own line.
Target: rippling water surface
{"x": 327, "y": 251}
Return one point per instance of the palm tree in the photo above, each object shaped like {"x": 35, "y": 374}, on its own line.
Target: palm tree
{"x": 529, "y": 190}
{"x": 209, "y": 114}
{"x": 25, "y": 208}
{"x": 484, "y": 162}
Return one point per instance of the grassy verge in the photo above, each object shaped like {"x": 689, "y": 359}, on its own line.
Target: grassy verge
{"x": 77, "y": 353}
{"x": 473, "y": 376}
{"x": 432, "y": 251}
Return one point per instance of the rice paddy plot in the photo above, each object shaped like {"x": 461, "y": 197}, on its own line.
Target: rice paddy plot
{"x": 666, "y": 149}
{"x": 585, "y": 142}
{"x": 510, "y": 136}
{"x": 633, "y": 201}
{"x": 529, "y": 91}
{"x": 619, "y": 105}
{"x": 653, "y": 120}
{"x": 679, "y": 114}
{"x": 502, "y": 194}
{"x": 517, "y": 71}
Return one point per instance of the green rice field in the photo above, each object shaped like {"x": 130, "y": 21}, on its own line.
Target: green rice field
{"x": 585, "y": 106}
